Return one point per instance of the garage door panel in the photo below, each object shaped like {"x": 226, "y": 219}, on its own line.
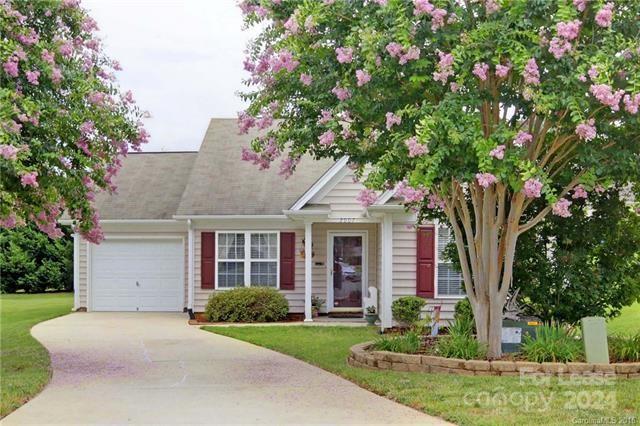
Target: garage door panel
{"x": 137, "y": 275}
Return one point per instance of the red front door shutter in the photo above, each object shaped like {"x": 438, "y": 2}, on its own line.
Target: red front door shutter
{"x": 208, "y": 260}
{"x": 425, "y": 268}
{"x": 287, "y": 260}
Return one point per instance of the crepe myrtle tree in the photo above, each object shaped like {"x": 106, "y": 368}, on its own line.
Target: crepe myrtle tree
{"x": 64, "y": 123}
{"x": 471, "y": 110}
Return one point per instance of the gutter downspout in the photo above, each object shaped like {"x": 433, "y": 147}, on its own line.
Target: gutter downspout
{"x": 191, "y": 280}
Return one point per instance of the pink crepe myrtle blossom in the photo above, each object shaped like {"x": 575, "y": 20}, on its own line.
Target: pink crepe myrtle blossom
{"x": 66, "y": 49}
{"x": 47, "y": 56}
{"x": 453, "y": 86}
{"x": 367, "y": 197}
{"x": 444, "y": 69}
{"x": 607, "y": 96}
{"x": 522, "y": 138}
{"x": 600, "y": 189}
{"x": 9, "y": 222}
{"x": 265, "y": 120}
{"x": 409, "y": 194}
{"x": 412, "y": 54}
{"x": 593, "y": 72}
{"x": 341, "y": 93}
{"x": 245, "y": 122}
{"x": 263, "y": 158}
{"x": 558, "y": 47}
{"x": 394, "y": 49}
{"x": 435, "y": 202}
{"x": 503, "y": 70}
{"x": 29, "y": 39}
{"x": 438, "y": 19}
{"x": 416, "y": 149}
{"x": 631, "y": 103}
{"x": 580, "y": 5}
{"x": 363, "y": 77}
{"x": 532, "y": 188}
{"x": 531, "y": 73}
{"x": 56, "y": 75}
{"x": 306, "y": 79}
{"x": 87, "y": 128}
{"x": 327, "y": 138}
{"x": 287, "y": 166}
{"x": 344, "y": 55}
{"x": 325, "y": 116}
{"x": 283, "y": 60}
{"x": 32, "y": 77}
{"x": 11, "y": 66}
{"x": 586, "y": 130}
{"x": 381, "y": 2}
{"x": 422, "y": 7}
{"x": 480, "y": 70}
{"x": 569, "y": 30}
{"x": 392, "y": 120}
{"x": 582, "y": 78}
{"x": 29, "y": 179}
{"x": 9, "y": 152}
{"x": 579, "y": 192}
{"x": 561, "y": 207}
{"x": 491, "y": 7}
{"x": 89, "y": 24}
{"x": 485, "y": 180}
{"x": 605, "y": 15}
{"x": 97, "y": 98}
{"x": 498, "y": 152}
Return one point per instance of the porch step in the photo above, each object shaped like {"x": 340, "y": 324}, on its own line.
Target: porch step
{"x": 339, "y": 314}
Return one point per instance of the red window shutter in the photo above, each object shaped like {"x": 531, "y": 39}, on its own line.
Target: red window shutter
{"x": 287, "y": 260}
{"x": 208, "y": 260}
{"x": 425, "y": 268}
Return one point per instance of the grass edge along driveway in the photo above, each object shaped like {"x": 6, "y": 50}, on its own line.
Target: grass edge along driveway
{"x": 25, "y": 366}
{"x": 478, "y": 400}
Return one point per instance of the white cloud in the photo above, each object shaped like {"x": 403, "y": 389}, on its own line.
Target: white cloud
{"x": 181, "y": 59}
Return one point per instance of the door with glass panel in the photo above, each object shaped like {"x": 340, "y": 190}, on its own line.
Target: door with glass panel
{"x": 347, "y": 263}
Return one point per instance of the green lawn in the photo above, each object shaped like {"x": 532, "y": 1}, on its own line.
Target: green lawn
{"x": 24, "y": 363}
{"x": 460, "y": 399}
{"x": 628, "y": 322}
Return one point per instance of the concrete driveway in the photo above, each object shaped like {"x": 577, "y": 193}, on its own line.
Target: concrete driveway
{"x": 155, "y": 369}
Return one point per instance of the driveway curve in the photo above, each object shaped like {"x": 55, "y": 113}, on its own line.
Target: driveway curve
{"x": 148, "y": 368}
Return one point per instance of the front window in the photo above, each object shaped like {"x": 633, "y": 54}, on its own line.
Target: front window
{"x": 247, "y": 259}
{"x": 449, "y": 279}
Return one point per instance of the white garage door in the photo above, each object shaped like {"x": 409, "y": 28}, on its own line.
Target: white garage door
{"x": 137, "y": 275}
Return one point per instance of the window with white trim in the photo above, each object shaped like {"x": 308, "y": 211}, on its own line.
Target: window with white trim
{"x": 449, "y": 280}
{"x": 247, "y": 259}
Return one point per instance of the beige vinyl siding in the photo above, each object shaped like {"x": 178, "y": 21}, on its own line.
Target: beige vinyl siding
{"x": 404, "y": 269}
{"x": 319, "y": 274}
{"x": 342, "y": 198}
{"x": 85, "y": 270}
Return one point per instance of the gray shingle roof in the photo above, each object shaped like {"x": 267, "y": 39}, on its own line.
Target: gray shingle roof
{"x": 150, "y": 186}
{"x": 222, "y": 184}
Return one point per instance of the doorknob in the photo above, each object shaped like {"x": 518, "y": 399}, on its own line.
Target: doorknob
{"x": 137, "y": 284}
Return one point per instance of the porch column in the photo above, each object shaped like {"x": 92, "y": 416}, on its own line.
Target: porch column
{"x": 387, "y": 277}
{"x": 190, "y": 268}
{"x": 308, "y": 265}
{"x": 76, "y": 271}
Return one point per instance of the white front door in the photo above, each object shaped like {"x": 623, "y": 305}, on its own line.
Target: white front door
{"x": 347, "y": 270}
{"x": 137, "y": 275}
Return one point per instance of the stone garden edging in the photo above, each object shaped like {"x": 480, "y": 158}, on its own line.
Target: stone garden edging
{"x": 360, "y": 356}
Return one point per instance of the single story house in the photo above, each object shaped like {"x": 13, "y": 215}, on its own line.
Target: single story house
{"x": 184, "y": 225}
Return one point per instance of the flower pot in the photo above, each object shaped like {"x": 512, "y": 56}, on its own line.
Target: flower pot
{"x": 315, "y": 313}
{"x": 371, "y": 318}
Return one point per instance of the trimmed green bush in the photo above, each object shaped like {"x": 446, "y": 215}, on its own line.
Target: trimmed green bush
{"x": 553, "y": 343}
{"x": 624, "y": 348}
{"x": 247, "y": 304}
{"x": 406, "y": 310}
{"x": 463, "y": 310}
{"x": 408, "y": 343}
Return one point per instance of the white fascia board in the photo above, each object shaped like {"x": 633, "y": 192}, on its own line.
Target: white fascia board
{"x": 385, "y": 197}
{"x": 231, "y": 217}
{"x": 320, "y": 184}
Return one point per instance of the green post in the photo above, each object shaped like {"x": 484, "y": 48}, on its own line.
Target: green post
{"x": 594, "y": 336}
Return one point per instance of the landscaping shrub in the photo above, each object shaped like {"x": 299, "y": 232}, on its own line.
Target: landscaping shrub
{"x": 624, "y": 348}
{"x": 553, "y": 343}
{"x": 463, "y": 310}
{"x": 460, "y": 343}
{"x": 406, "y": 310}
{"x": 408, "y": 343}
{"x": 247, "y": 304}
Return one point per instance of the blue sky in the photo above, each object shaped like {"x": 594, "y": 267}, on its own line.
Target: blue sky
{"x": 181, "y": 58}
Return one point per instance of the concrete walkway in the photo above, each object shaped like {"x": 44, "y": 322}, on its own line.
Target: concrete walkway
{"x": 155, "y": 369}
